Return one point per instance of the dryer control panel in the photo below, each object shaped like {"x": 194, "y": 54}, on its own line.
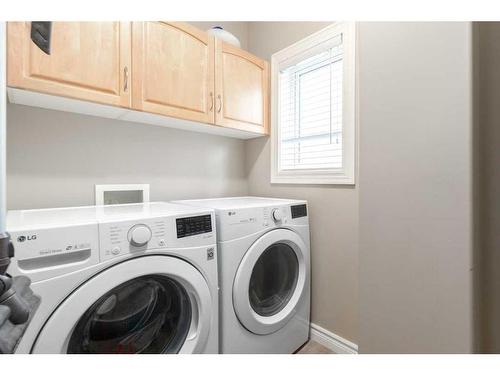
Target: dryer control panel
{"x": 236, "y": 223}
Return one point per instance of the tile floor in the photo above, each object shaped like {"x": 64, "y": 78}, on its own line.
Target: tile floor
{"x": 312, "y": 347}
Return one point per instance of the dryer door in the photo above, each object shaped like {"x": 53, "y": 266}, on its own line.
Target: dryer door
{"x": 151, "y": 304}
{"x": 270, "y": 281}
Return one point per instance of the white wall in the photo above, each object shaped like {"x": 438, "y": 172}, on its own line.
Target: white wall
{"x": 56, "y": 158}
{"x": 415, "y": 186}
{"x": 333, "y": 210}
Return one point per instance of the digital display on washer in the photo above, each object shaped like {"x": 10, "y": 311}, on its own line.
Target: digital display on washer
{"x": 299, "y": 211}
{"x": 191, "y": 226}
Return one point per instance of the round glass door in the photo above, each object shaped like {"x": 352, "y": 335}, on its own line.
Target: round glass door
{"x": 149, "y": 314}
{"x": 273, "y": 280}
{"x": 148, "y": 304}
{"x": 270, "y": 281}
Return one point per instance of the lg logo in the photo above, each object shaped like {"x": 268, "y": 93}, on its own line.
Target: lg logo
{"x": 28, "y": 238}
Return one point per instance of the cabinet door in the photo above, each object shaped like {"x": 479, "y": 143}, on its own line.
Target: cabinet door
{"x": 173, "y": 70}
{"x": 242, "y": 88}
{"x": 87, "y": 60}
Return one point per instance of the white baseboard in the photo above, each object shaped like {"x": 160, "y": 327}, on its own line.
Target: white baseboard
{"x": 332, "y": 341}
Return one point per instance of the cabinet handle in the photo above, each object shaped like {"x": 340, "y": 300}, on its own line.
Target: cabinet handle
{"x": 211, "y": 101}
{"x": 220, "y": 103}
{"x": 125, "y": 79}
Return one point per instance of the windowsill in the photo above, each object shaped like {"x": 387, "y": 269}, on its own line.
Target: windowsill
{"x": 313, "y": 180}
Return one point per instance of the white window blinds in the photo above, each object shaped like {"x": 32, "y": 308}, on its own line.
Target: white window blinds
{"x": 310, "y": 109}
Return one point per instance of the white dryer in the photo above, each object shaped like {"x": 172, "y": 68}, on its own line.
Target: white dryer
{"x": 264, "y": 271}
{"x": 139, "y": 278}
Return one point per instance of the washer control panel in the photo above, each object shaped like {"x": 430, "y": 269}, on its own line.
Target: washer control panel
{"x": 125, "y": 237}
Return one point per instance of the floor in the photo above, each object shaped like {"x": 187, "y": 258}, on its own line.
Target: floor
{"x": 312, "y": 347}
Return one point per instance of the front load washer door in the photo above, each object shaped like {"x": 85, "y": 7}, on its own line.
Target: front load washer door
{"x": 151, "y": 304}
{"x": 270, "y": 281}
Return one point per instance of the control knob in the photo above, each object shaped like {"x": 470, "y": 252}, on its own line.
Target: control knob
{"x": 139, "y": 235}
{"x": 277, "y": 216}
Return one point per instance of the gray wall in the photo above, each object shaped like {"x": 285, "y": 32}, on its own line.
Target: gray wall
{"x": 333, "y": 209}
{"x": 415, "y": 207}
{"x": 56, "y": 158}
{"x": 487, "y": 62}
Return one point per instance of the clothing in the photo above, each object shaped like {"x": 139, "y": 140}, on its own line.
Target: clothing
{"x": 10, "y": 334}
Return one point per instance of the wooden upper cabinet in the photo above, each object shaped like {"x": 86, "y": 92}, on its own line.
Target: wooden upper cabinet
{"x": 166, "y": 68}
{"x": 173, "y": 70}
{"x": 242, "y": 89}
{"x": 87, "y": 60}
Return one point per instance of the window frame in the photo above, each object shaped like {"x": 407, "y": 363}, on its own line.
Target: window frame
{"x": 306, "y": 47}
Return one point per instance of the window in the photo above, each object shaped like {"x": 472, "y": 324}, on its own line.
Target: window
{"x": 313, "y": 97}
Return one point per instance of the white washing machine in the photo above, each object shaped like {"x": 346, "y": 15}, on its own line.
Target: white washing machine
{"x": 137, "y": 278}
{"x": 264, "y": 271}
